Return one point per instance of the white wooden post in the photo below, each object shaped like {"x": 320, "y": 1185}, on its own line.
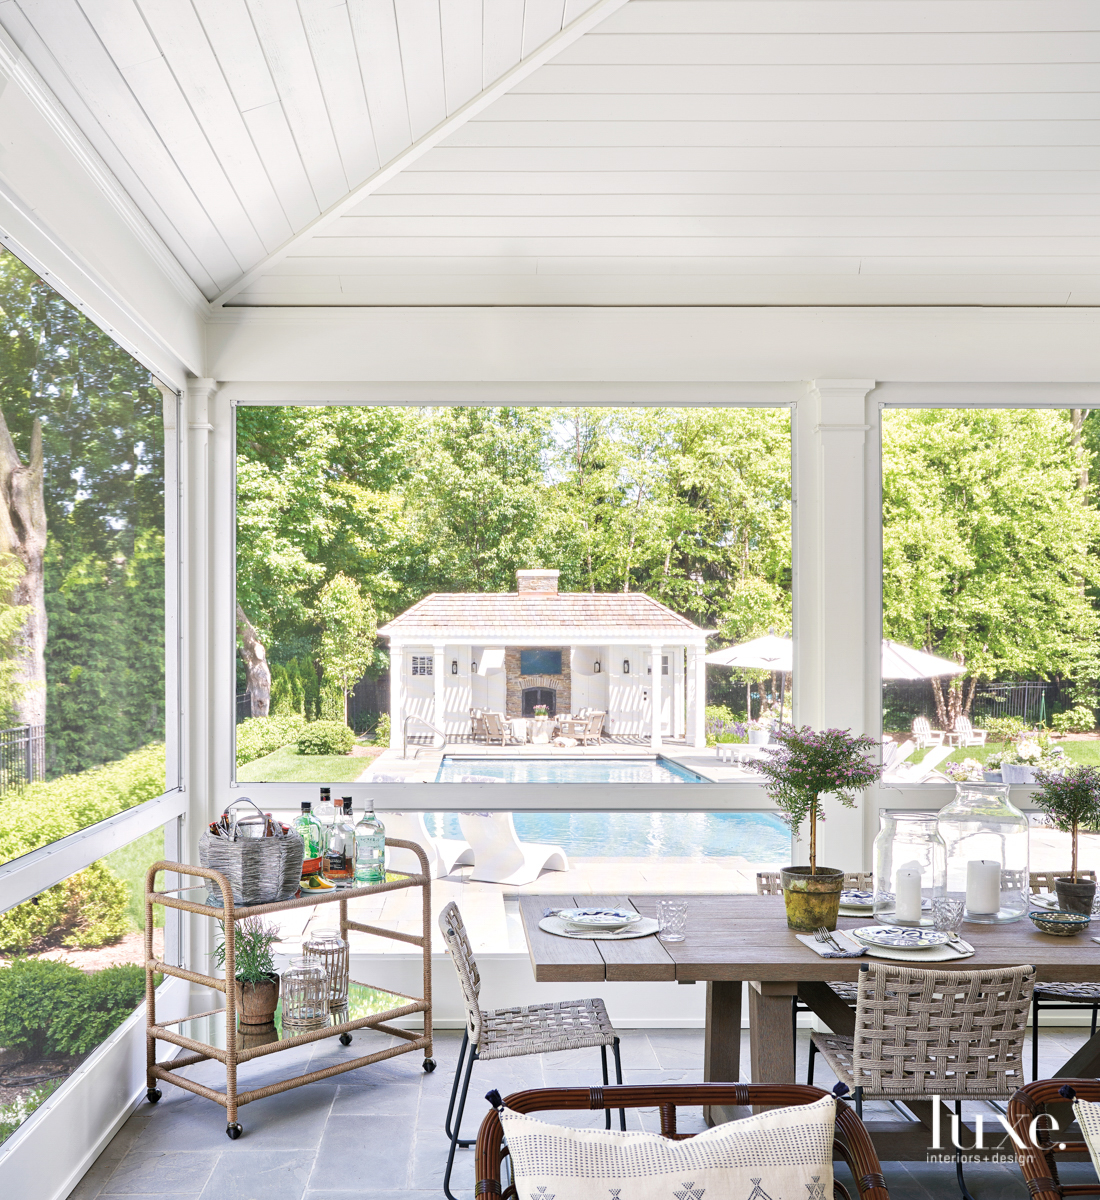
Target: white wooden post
{"x": 697, "y": 667}
{"x": 655, "y": 741}
{"x": 397, "y": 694}
{"x": 439, "y": 667}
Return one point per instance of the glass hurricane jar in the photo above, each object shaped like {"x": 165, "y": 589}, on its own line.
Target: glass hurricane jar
{"x": 987, "y": 842}
{"x": 909, "y": 868}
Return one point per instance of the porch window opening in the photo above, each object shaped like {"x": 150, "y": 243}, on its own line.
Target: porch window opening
{"x": 460, "y": 585}
{"x": 990, "y": 596}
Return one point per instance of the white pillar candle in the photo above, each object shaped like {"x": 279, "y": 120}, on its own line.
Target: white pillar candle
{"x": 907, "y": 895}
{"x": 983, "y": 886}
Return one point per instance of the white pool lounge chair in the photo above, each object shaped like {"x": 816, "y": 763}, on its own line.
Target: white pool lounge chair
{"x": 444, "y": 854}
{"x": 499, "y": 855}
{"x": 922, "y": 772}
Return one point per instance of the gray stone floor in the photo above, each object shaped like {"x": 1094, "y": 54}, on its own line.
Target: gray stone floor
{"x": 381, "y": 1129}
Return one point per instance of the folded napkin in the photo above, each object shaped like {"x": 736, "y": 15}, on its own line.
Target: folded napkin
{"x": 852, "y": 948}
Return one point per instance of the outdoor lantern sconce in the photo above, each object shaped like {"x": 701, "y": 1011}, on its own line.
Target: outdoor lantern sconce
{"x": 473, "y": 668}
{"x": 626, "y": 666}
{"x": 596, "y": 667}
{"x": 454, "y": 666}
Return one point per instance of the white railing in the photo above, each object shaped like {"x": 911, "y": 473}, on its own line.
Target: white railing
{"x": 405, "y": 732}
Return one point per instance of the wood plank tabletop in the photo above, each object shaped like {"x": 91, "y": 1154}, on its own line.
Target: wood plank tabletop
{"x": 736, "y": 937}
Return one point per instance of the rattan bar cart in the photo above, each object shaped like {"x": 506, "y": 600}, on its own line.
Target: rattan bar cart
{"x": 233, "y": 1055}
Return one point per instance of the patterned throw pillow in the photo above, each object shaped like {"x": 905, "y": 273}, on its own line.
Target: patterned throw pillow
{"x": 785, "y": 1154}
{"x": 1087, "y": 1113}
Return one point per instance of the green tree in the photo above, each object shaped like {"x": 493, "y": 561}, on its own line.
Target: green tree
{"x": 348, "y": 626}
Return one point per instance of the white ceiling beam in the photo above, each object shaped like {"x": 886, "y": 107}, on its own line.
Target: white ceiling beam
{"x": 565, "y": 37}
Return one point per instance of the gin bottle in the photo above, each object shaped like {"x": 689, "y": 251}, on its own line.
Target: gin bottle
{"x": 370, "y": 848}
{"x": 325, "y": 815}
{"x": 309, "y": 830}
{"x": 340, "y": 853}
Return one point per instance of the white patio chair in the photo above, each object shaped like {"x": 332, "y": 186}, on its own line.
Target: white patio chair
{"x": 444, "y": 854}
{"x": 499, "y": 855}
{"x": 595, "y": 727}
{"x": 964, "y": 734}
{"x": 510, "y": 1032}
{"x": 495, "y": 729}
{"x": 925, "y": 735}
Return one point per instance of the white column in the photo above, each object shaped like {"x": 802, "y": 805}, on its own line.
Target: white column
{"x": 676, "y": 683}
{"x": 655, "y": 697}
{"x": 839, "y": 572}
{"x": 439, "y": 667}
{"x": 697, "y": 696}
{"x": 397, "y": 694}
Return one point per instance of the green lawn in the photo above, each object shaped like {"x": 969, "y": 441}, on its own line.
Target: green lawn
{"x": 131, "y": 862}
{"x": 1078, "y": 752}
{"x": 286, "y": 765}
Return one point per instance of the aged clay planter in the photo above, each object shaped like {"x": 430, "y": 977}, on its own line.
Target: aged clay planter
{"x": 1075, "y": 897}
{"x": 812, "y": 900}
{"x": 256, "y": 1002}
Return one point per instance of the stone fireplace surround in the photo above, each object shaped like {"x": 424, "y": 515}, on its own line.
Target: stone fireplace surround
{"x": 516, "y": 683}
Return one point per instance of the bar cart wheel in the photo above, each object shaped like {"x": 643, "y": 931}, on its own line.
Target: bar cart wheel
{"x": 152, "y": 1095}
{"x": 345, "y": 1039}
{"x": 429, "y": 1065}
{"x": 234, "y": 1130}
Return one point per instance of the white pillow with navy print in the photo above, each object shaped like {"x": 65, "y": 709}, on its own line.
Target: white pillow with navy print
{"x": 785, "y": 1154}
{"x": 1087, "y": 1113}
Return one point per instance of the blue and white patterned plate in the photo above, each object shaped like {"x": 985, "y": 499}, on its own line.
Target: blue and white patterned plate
{"x": 599, "y": 918}
{"x": 899, "y": 937}
{"x": 853, "y": 898}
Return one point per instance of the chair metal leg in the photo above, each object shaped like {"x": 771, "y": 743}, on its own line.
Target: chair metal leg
{"x": 1093, "y": 1031}
{"x": 455, "y": 1142}
{"x": 810, "y": 1064}
{"x": 1035, "y": 1037}
{"x": 619, "y": 1080}
{"x": 794, "y": 1028}
{"x": 958, "y": 1157}
{"x": 454, "y": 1087}
{"x": 606, "y": 1081}
{"x": 859, "y": 1102}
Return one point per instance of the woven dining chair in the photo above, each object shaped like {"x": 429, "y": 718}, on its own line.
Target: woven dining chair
{"x": 1058, "y": 997}
{"x": 770, "y": 883}
{"x": 932, "y": 1035}
{"x": 510, "y": 1032}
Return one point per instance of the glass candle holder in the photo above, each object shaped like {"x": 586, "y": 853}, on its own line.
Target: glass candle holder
{"x": 909, "y": 868}
{"x": 987, "y": 842}
{"x": 304, "y": 993}
{"x": 328, "y": 948}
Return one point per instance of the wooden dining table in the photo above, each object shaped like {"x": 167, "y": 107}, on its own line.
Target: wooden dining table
{"x": 732, "y": 940}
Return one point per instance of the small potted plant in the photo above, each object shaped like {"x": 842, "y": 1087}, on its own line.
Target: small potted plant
{"x": 1071, "y": 799}
{"x": 806, "y": 765}
{"x": 541, "y": 710}
{"x": 759, "y": 731}
{"x": 257, "y": 979}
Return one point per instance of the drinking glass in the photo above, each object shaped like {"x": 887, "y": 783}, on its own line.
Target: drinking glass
{"x": 947, "y": 914}
{"x": 671, "y": 919}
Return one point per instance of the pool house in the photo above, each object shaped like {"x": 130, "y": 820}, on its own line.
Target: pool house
{"x": 622, "y": 654}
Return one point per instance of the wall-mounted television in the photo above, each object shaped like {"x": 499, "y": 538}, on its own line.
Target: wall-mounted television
{"x": 540, "y": 662}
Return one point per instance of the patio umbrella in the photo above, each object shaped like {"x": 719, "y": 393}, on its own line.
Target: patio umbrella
{"x": 903, "y": 662}
{"x": 768, "y": 653}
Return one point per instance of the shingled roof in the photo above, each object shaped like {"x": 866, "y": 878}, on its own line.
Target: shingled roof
{"x": 540, "y": 617}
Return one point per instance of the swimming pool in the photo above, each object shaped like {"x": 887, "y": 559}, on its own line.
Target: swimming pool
{"x": 756, "y": 837}
{"x": 460, "y": 769}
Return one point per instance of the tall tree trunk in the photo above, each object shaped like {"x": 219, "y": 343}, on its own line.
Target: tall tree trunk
{"x": 23, "y": 535}
{"x": 255, "y": 662}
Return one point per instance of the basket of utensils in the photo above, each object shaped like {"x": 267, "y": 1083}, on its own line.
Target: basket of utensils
{"x": 260, "y": 857}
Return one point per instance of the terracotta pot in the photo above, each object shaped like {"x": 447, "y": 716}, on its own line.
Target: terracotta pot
{"x": 256, "y": 1002}
{"x": 1075, "y": 897}
{"x": 812, "y": 900}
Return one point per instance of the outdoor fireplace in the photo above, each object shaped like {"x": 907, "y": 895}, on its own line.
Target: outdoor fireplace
{"x": 539, "y": 695}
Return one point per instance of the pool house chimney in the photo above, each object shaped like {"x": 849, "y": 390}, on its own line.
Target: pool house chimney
{"x": 538, "y": 580}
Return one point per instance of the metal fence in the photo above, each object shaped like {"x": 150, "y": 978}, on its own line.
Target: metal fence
{"x": 1032, "y": 700}
{"x": 244, "y": 706}
{"x": 22, "y": 756}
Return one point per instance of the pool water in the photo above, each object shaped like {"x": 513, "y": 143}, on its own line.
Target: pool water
{"x": 756, "y": 837}
{"x": 459, "y": 769}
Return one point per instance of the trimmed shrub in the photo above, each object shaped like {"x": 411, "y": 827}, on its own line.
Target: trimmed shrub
{"x": 262, "y": 735}
{"x": 326, "y": 737}
{"x": 1074, "y": 720}
{"x": 1004, "y": 729}
{"x": 87, "y": 909}
{"x": 54, "y": 1008}
{"x": 382, "y": 730}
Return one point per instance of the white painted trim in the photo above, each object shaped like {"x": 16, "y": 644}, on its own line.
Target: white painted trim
{"x": 32, "y": 873}
{"x": 560, "y": 41}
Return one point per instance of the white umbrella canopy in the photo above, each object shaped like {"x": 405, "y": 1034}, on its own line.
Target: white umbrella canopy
{"x": 774, "y": 653}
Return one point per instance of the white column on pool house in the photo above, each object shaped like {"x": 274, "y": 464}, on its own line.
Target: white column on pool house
{"x": 655, "y": 705}
{"x": 397, "y": 694}
{"x": 696, "y": 696}
{"x": 439, "y": 679}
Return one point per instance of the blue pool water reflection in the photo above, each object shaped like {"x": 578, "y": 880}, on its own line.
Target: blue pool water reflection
{"x": 461, "y": 768}
{"x": 756, "y": 837}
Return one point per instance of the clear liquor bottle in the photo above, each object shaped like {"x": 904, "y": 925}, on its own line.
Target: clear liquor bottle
{"x": 370, "y": 848}
{"x": 340, "y": 854}
{"x": 309, "y": 830}
{"x": 325, "y": 814}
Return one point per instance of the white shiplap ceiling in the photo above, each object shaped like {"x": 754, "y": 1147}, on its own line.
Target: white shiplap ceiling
{"x": 681, "y": 152}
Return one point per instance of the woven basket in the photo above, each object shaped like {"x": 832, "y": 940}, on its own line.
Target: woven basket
{"x": 259, "y": 870}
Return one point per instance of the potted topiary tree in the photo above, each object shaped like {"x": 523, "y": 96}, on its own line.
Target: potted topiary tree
{"x": 806, "y": 765}
{"x": 1071, "y": 799}
{"x": 254, "y": 967}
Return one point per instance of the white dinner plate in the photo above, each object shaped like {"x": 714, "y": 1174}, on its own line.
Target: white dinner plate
{"x": 900, "y": 937}
{"x": 855, "y": 898}
{"x": 599, "y": 918}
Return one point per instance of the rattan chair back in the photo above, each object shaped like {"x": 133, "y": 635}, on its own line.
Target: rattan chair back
{"x": 1036, "y": 1148}
{"x": 945, "y": 1033}
{"x": 770, "y": 883}
{"x": 454, "y": 933}
{"x": 1044, "y": 881}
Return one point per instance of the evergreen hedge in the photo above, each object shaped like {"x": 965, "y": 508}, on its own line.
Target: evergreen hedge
{"x": 262, "y": 735}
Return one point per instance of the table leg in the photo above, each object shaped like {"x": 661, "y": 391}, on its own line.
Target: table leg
{"x": 770, "y": 1041}
{"x": 722, "y": 1045}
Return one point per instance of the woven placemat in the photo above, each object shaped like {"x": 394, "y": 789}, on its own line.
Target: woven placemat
{"x": 557, "y": 926}
{"x": 929, "y": 954}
